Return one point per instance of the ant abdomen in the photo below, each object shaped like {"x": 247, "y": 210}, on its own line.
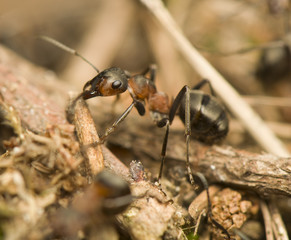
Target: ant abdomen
{"x": 208, "y": 119}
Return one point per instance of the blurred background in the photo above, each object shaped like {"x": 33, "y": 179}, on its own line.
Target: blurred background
{"x": 247, "y": 41}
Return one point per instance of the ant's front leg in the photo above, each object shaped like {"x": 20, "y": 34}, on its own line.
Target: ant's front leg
{"x": 139, "y": 106}
{"x": 184, "y": 92}
{"x": 141, "y": 110}
{"x": 202, "y": 83}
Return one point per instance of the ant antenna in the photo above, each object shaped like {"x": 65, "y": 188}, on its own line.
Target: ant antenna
{"x": 67, "y": 49}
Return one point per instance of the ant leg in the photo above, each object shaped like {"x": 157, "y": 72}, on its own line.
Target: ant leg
{"x": 186, "y": 91}
{"x": 202, "y": 83}
{"x": 111, "y": 129}
{"x": 188, "y": 133}
{"x": 177, "y": 103}
{"x": 209, "y": 210}
{"x": 151, "y": 70}
{"x": 164, "y": 149}
{"x": 167, "y": 122}
{"x": 200, "y": 175}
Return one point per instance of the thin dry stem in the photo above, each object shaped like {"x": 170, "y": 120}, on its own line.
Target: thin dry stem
{"x": 267, "y": 220}
{"x": 281, "y": 129}
{"x": 268, "y": 101}
{"x": 87, "y": 135}
{"x": 200, "y": 203}
{"x": 278, "y": 225}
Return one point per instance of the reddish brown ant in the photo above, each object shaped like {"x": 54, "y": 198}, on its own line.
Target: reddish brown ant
{"x": 200, "y": 112}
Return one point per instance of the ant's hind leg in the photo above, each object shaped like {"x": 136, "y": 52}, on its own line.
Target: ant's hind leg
{"x": 167, "y": 122}
{"x": 188, "y": 134}
{"x": 202, "y": 83}
{"x": 163, "y": 153}
{"x": 199, "y": 175}
{"x": 204, "y": 182}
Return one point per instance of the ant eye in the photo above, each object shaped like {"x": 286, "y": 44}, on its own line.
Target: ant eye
{"x": 116, "y": 84}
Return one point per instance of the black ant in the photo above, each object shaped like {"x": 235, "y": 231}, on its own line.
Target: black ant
{"x": 200, "y": 112}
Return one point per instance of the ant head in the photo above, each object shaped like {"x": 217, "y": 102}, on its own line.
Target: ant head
{"x": 109, "y": 82}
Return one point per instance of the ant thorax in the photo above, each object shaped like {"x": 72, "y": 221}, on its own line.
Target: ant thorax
{"x": 159, "y": 102}
{"x": 140, "y": 88}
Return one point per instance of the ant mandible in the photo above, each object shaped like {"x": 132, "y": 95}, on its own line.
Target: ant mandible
{"x": 201, "y": 113}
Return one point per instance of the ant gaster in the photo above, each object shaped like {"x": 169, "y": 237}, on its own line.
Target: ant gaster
{"x": 200, "y": 112}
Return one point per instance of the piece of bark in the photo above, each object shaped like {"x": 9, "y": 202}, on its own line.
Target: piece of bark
{"x": 30, "y": 100}
{"x": 265, "y": 174}
{"x": 25, "y": 87}
{"x": 113, "y": 163}
{"x": 86, "y": 132}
